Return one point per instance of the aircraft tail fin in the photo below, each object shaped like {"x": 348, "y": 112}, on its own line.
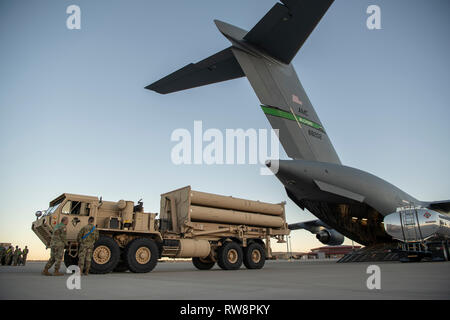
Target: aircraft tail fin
{"x": 274, "y": 32}
{"x": 288, "y": 108}
{"x": 263, "y": 55}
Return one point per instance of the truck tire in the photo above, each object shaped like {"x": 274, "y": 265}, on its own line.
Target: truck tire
{"x": 203, "y": 264}
{"x": 230, "y": 256}
{"x": 141, "y": 255}
{"x": 105, "y": 256}
{"x": 69, "y": 260}
{"x": 122, "y": 266}
{"x": 254, "y": 256}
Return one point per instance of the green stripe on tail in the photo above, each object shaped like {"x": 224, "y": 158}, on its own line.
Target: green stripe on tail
{"x": 289, "y": 116}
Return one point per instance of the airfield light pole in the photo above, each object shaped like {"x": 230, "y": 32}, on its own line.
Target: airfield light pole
{"x": 289, "y": 247}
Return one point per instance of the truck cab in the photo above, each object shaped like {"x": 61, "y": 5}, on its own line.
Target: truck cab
{"x": 76, "y": 207}
{"x": 118, "y": 223}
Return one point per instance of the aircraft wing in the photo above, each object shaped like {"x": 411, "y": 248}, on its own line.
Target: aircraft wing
{"x": 440, "y": 205}
{"x": 323, "y": 232}
{"x": 311, "y": 226}
{"x": 219, "y": 67}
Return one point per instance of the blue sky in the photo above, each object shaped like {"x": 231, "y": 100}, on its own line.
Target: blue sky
{"x": 74, "y": 115}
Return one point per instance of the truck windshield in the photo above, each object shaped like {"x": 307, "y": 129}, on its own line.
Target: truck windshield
{"x": 53, "y": 207}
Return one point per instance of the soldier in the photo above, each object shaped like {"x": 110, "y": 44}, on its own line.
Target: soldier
{"x": 16, "y": 257}
{"x": 57, "y": 244}
{"x": 9, "y": 255}
{"x": 2, "y": 254}
{"x": 87, "y": 236}
{"x": 24, "y": 255}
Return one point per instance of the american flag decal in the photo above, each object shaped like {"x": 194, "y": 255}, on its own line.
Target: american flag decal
{"x": 296, "y": 100}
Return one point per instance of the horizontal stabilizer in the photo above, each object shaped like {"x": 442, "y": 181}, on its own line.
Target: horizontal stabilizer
{"x": 285, "y": 28}
{"x": 219, "y": 67}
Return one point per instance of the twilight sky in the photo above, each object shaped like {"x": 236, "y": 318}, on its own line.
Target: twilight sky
{"x": 75, "y": 117}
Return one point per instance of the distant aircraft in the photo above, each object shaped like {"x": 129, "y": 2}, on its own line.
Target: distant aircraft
{"x": 346, "y": 200}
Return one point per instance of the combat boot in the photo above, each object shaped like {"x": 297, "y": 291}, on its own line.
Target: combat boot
{"x": 45, "y": 272}
{"x": 57, "y": 273}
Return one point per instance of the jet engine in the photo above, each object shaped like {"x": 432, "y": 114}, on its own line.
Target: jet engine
{"x": 323, "y": 232}
{"x": 330, "y": 237}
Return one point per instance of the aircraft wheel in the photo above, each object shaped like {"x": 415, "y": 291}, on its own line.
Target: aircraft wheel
{"x": 446, "y": 251}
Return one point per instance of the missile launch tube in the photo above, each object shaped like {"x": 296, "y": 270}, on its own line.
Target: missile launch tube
{"x": 218, "y": 201}
{"x": 234, "y": 217}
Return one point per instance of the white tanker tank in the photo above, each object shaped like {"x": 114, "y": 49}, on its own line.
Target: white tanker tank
{"x": 417, "y": 224}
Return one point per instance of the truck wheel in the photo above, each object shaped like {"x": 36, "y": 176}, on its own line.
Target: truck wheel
{"x": 105, "y": 256}
{"x": 203, "y": 264}
{"x": 122, "y": 266}
{"x": 141, "y": 255}
{"x": 254, "y": 256}
{"x": 230, "y": 256}
{"x": 69, "y": 260}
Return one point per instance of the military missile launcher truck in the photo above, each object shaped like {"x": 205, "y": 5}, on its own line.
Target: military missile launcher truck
{"x": 206, "y": 227}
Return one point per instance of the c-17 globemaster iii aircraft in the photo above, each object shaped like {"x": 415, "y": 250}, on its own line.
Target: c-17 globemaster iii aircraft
{"x": 348, "y": 202}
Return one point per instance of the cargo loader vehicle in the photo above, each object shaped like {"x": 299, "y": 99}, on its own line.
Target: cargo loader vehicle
{"x": 206, "y": 227}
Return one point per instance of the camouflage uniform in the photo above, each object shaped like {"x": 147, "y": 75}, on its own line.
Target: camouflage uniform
{"x": 87, "y": 237}
{"x": 17, "y": 254}
{"x": 24, "y": 255}
{"x": 9, "y": 255}
{"x": 2, "y": 254}
{"x": 57, "y": 245}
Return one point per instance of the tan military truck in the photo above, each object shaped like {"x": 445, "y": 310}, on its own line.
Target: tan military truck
{"x": 206, "y": 227}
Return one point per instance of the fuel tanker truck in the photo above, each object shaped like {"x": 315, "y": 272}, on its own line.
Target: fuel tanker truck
{"x": 206, "y": 227}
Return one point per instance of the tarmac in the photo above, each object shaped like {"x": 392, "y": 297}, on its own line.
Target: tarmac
{"x": 288, "y": 280}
